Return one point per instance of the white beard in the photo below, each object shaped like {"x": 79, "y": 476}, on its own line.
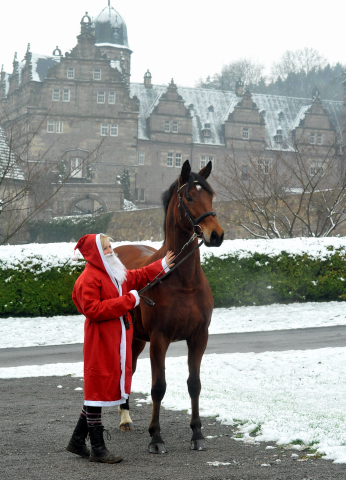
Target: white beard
{"x": 118, "y": 269}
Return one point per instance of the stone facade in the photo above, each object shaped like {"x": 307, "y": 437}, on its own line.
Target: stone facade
{"x": 85, "y": 114}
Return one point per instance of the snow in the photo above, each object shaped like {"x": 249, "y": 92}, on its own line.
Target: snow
{"x": 57, "y": 254}
{"x": 69, "y": 329}
{"x": 284, "y": 396}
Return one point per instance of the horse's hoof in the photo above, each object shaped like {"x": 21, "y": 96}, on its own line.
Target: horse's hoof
{"x": 198, "y": 444}
{"x": 126, "y": 427}
{"x": 157, "y": 448}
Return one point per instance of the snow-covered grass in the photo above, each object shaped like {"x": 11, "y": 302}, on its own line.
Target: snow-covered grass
{"x": 69, "y": 329}
{"x": 56, "y": 254}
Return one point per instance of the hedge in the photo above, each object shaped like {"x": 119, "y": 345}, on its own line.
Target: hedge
{"x": 62, "y": 229}
{"x": 31, "y": 290}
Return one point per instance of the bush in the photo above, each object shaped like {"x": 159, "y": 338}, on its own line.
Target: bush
{"x": 262, "y": 280}
{"x": 39, "y": 288}
{"x": 63, "y": 229}
{"x": 35, "y": 292}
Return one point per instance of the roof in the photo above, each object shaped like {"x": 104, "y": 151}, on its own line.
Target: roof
{"x": 9, "y": 167}
{"x": 110, "y": 28}
{"x": 214, "y": 107}
{"x": 41, "y": 64}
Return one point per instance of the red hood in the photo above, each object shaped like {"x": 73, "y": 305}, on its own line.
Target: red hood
{"x": 88, "y": 248}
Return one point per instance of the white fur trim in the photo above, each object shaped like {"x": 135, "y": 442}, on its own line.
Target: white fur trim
{"x": 164, "y": 265}
{"x": 135, "y": 294}
{"x": 123, "y": 331}
{"x": 94, "y": 403}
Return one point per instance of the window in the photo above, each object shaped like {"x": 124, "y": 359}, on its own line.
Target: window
{"x": 316, "y": 168}
{"x": 141, "y": 157}
{"x": 205, "y": 159}
{"x": 142, "y": 197}
{"x": 175, "y": 127}
{"x": 178, "y": 160}
{"x": 114, "y": 130}
{"x": 104, "y": 129}
{"x": 101, "y": 97}
{"x": 97, "y": 74}
{"x": 50, "y": 126}
{"x": 167, "y": 126}
{"x": 244, "y": 172}
{"x": 312, "y": 138}
{"x": 76, "y": 167}
{"x": 246, "y": 134}
{"x": 66, "y": 96}
{"x": 263, "y": 165}
{"x": 136, "y": 194}
{"x": 111, "y": 97}
{"x": 70, "y": 72}
{"x": 319, "y": 138}
{"x": 56, "y": 95}
{"x": 169, "y": 159}
{"x": 59, "y": 127}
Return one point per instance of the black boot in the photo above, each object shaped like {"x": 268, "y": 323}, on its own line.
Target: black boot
{"x": 99, "y": 451}
{"x": 77, "y": 442}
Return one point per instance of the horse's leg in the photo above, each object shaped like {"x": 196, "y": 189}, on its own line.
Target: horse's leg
{"x": 123, "y": 409}
{"x": 158, "y": 349}
{"x": 196, "y": 345}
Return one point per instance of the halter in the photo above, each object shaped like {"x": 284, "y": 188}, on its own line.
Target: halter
{"x": 194, "y": 222}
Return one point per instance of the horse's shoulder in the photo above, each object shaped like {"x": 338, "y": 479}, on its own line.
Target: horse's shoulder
{"x": 135, "y": 255}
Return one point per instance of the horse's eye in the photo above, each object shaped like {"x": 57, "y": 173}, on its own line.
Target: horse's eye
{"x": 189, "y": 198}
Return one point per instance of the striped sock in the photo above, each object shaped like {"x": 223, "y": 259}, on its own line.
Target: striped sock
{"x": 93, "y": 415}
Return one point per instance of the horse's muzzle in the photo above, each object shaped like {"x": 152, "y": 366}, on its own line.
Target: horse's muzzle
{"x": 215, "y": 239}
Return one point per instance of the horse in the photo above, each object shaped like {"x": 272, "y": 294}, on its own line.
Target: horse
{"x": 183, "y": 301}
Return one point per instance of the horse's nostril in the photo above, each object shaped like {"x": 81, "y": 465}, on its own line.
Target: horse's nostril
{"x": 215, "y": 239}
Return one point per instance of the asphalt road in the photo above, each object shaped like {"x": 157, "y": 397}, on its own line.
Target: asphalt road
{"x": 277, "y": 340}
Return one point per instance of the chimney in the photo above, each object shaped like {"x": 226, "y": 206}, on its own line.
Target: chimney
{"x": 239, "y": 88}
{"x": 147, "y": 79}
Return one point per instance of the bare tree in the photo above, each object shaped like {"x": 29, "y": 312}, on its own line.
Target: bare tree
{"x": 299, "y": 191}
{"x": 250, "y": 72}
{"x": 29, "y": 182}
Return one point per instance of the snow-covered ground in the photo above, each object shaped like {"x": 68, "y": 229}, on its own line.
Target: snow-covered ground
{"x": 58, "y": 330}
{"x": 292, "y": 395}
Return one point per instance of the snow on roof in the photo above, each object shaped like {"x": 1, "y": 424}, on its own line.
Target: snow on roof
{"x": 123, "y": 47}
{"x": 115, "y": 64}
{"x": 7, "y": 82}
{"x": 9, "y": 167}
{"x": 279, "y": 112}
{"x": 41, "y": 64}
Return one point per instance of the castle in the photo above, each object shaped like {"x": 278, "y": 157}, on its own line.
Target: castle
{"x": 84, "y": 111}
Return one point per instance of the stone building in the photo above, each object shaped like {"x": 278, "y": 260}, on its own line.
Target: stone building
{"x": 90, "y": 117}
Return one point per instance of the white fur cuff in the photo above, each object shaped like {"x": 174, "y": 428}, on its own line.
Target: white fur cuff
{"x": 135, "y": 294}
{"x": 164, "y": 265}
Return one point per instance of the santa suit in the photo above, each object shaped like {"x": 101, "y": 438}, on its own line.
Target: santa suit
{"x": 107, "y": 344}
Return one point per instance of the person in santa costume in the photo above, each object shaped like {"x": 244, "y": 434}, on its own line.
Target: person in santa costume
{"x": 104, "y": 293}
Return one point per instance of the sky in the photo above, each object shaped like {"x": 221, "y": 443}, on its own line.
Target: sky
{"x": 183, "y": 40}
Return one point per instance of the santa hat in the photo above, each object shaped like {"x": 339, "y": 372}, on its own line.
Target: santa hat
{"x": 75, "y": 256}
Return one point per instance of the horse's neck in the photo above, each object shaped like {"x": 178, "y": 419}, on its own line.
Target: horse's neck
{"x": 176, "y": 239}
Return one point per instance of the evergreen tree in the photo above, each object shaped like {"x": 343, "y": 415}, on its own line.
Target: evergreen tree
{"x": 126, "y": 183}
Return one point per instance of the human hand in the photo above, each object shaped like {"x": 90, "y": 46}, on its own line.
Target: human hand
{"x": 169, "y": 258}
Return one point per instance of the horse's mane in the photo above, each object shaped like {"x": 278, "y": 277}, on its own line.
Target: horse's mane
{"x": 167, "y": 195}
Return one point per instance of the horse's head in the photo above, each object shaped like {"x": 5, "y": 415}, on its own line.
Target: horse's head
{"x": 194, "y": 206}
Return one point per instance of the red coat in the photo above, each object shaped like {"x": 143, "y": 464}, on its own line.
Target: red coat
{"x": 107, "y": 344}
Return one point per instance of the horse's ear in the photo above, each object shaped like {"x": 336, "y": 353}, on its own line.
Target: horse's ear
{"x": 185, "y": 172}
{"x": 205, "y": 172}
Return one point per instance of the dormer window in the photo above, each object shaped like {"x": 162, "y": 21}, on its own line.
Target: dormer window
{"x": 167, "y": 126}
{"x": 278, "y": 136}
{"x": 246, "y": 133}
{"x": 97, "y": 74}
{"x": 206, "y": 130}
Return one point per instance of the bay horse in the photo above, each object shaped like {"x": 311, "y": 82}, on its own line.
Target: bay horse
{"x": 183, "y": 301}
